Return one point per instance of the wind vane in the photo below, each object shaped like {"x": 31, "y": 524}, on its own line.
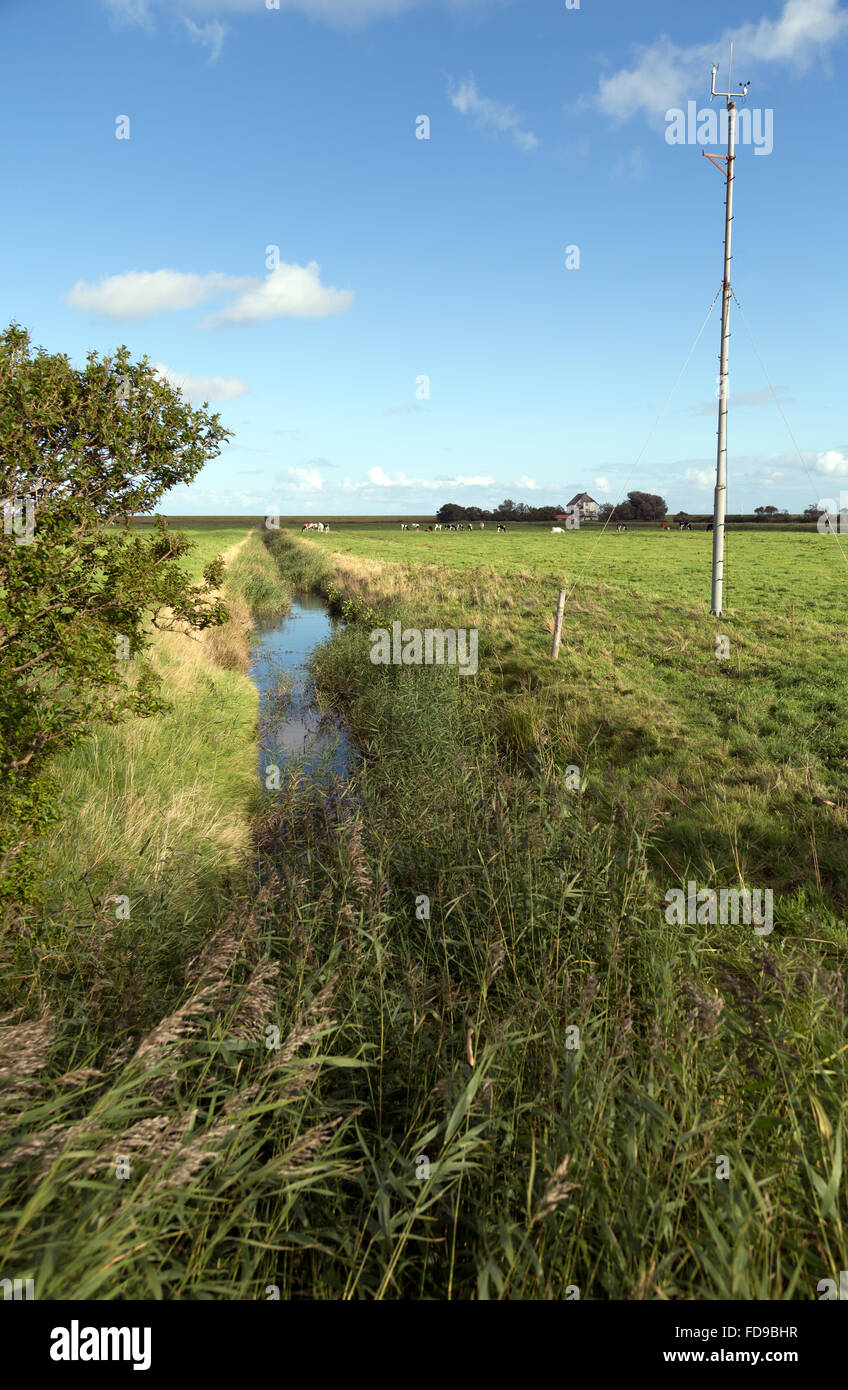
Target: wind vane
{"x": 725, "y": 163}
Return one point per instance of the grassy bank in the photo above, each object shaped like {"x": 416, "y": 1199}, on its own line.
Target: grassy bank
{"x": 437, "y": 1039}
{"x": 161, "y": 806}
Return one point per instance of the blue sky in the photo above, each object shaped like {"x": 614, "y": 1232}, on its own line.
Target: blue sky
{"x": 402, "y": 265}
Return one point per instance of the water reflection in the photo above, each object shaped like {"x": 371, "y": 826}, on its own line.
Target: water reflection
{"x": 293, "y": 734}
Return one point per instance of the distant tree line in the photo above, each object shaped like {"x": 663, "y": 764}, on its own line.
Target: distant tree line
{"x": 637, "y": 506}
{"x": 507, "y": 511}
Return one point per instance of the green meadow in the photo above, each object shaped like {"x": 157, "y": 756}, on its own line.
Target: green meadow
{"x": 727, "y": 755}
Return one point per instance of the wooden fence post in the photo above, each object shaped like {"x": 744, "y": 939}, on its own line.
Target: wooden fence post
{"x": 558, "y": 625}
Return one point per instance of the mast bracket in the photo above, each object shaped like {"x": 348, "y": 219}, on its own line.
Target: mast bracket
{"x": 719, "y": 160}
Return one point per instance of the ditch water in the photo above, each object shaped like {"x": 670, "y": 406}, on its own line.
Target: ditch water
{"x": 294, "y": 734}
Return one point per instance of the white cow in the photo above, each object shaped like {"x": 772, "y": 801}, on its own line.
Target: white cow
{"x": 557, "y": 531}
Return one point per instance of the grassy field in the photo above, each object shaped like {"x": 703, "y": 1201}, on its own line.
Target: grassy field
{"x": 433, "y": 1036}
{"x": 726, "y": 755}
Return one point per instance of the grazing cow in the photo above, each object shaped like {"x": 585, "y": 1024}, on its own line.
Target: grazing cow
{"x": 470, "y": 526}
{"x": 403, "y": 526}
{"x": 685, "y": 525}
{"x": 621, "y": 526}
{"x": 429, "y": 529}
{"x": 482, "y": 525}
{"x": 709, "y": 526}
{"x": 557, "y": 531}
{"x": 416, "y": 526}
{"x": 438, "y": 526}
{"x": 665, "y": 526}
{"x": 501, "y": 526}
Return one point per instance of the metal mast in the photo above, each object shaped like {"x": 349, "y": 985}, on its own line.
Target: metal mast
{"x": 720, "y": 503}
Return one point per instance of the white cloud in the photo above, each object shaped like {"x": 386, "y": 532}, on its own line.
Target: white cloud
{"x": 833, "y": 462}
{"x": 203, "y": 388}
{"x": 701, "y": 477}
{"x": 529, "y": 483}
{"x": 302, "y": 480}
{"x": 666, "y": 74}
{"x": 292, "y": 291}
{"x": 209, "y": 36}
{"x": 142, "y": 293}
{"x": 486, "y": 111}
{"x": 381, "y": 479}
{"x": 289, "y": 291}
{"x": 602, "y": 484}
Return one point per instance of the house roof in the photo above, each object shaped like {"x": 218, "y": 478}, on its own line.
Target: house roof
{"x": 581, "y": 497}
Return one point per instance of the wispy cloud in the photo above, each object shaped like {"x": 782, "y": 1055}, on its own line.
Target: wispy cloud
{"x": 750, "y": 398}
{"x": 203, "y": 388}
{"x": 210, "y": 36}
{"x": 487, "y": 112}
{"x": 378, "y": 478}
{"x": 340, "y": 13}
{"x": 700, "y": 478}
{"x": 665, "y": 74}
{"x": 130, "y": 11}
{"x": 300, "y": 481}
{"x": 631, "y": 167}
{"x": 183, "y": 497}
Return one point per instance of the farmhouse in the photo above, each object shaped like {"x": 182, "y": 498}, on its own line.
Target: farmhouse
{"x": 586, "y": 505}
